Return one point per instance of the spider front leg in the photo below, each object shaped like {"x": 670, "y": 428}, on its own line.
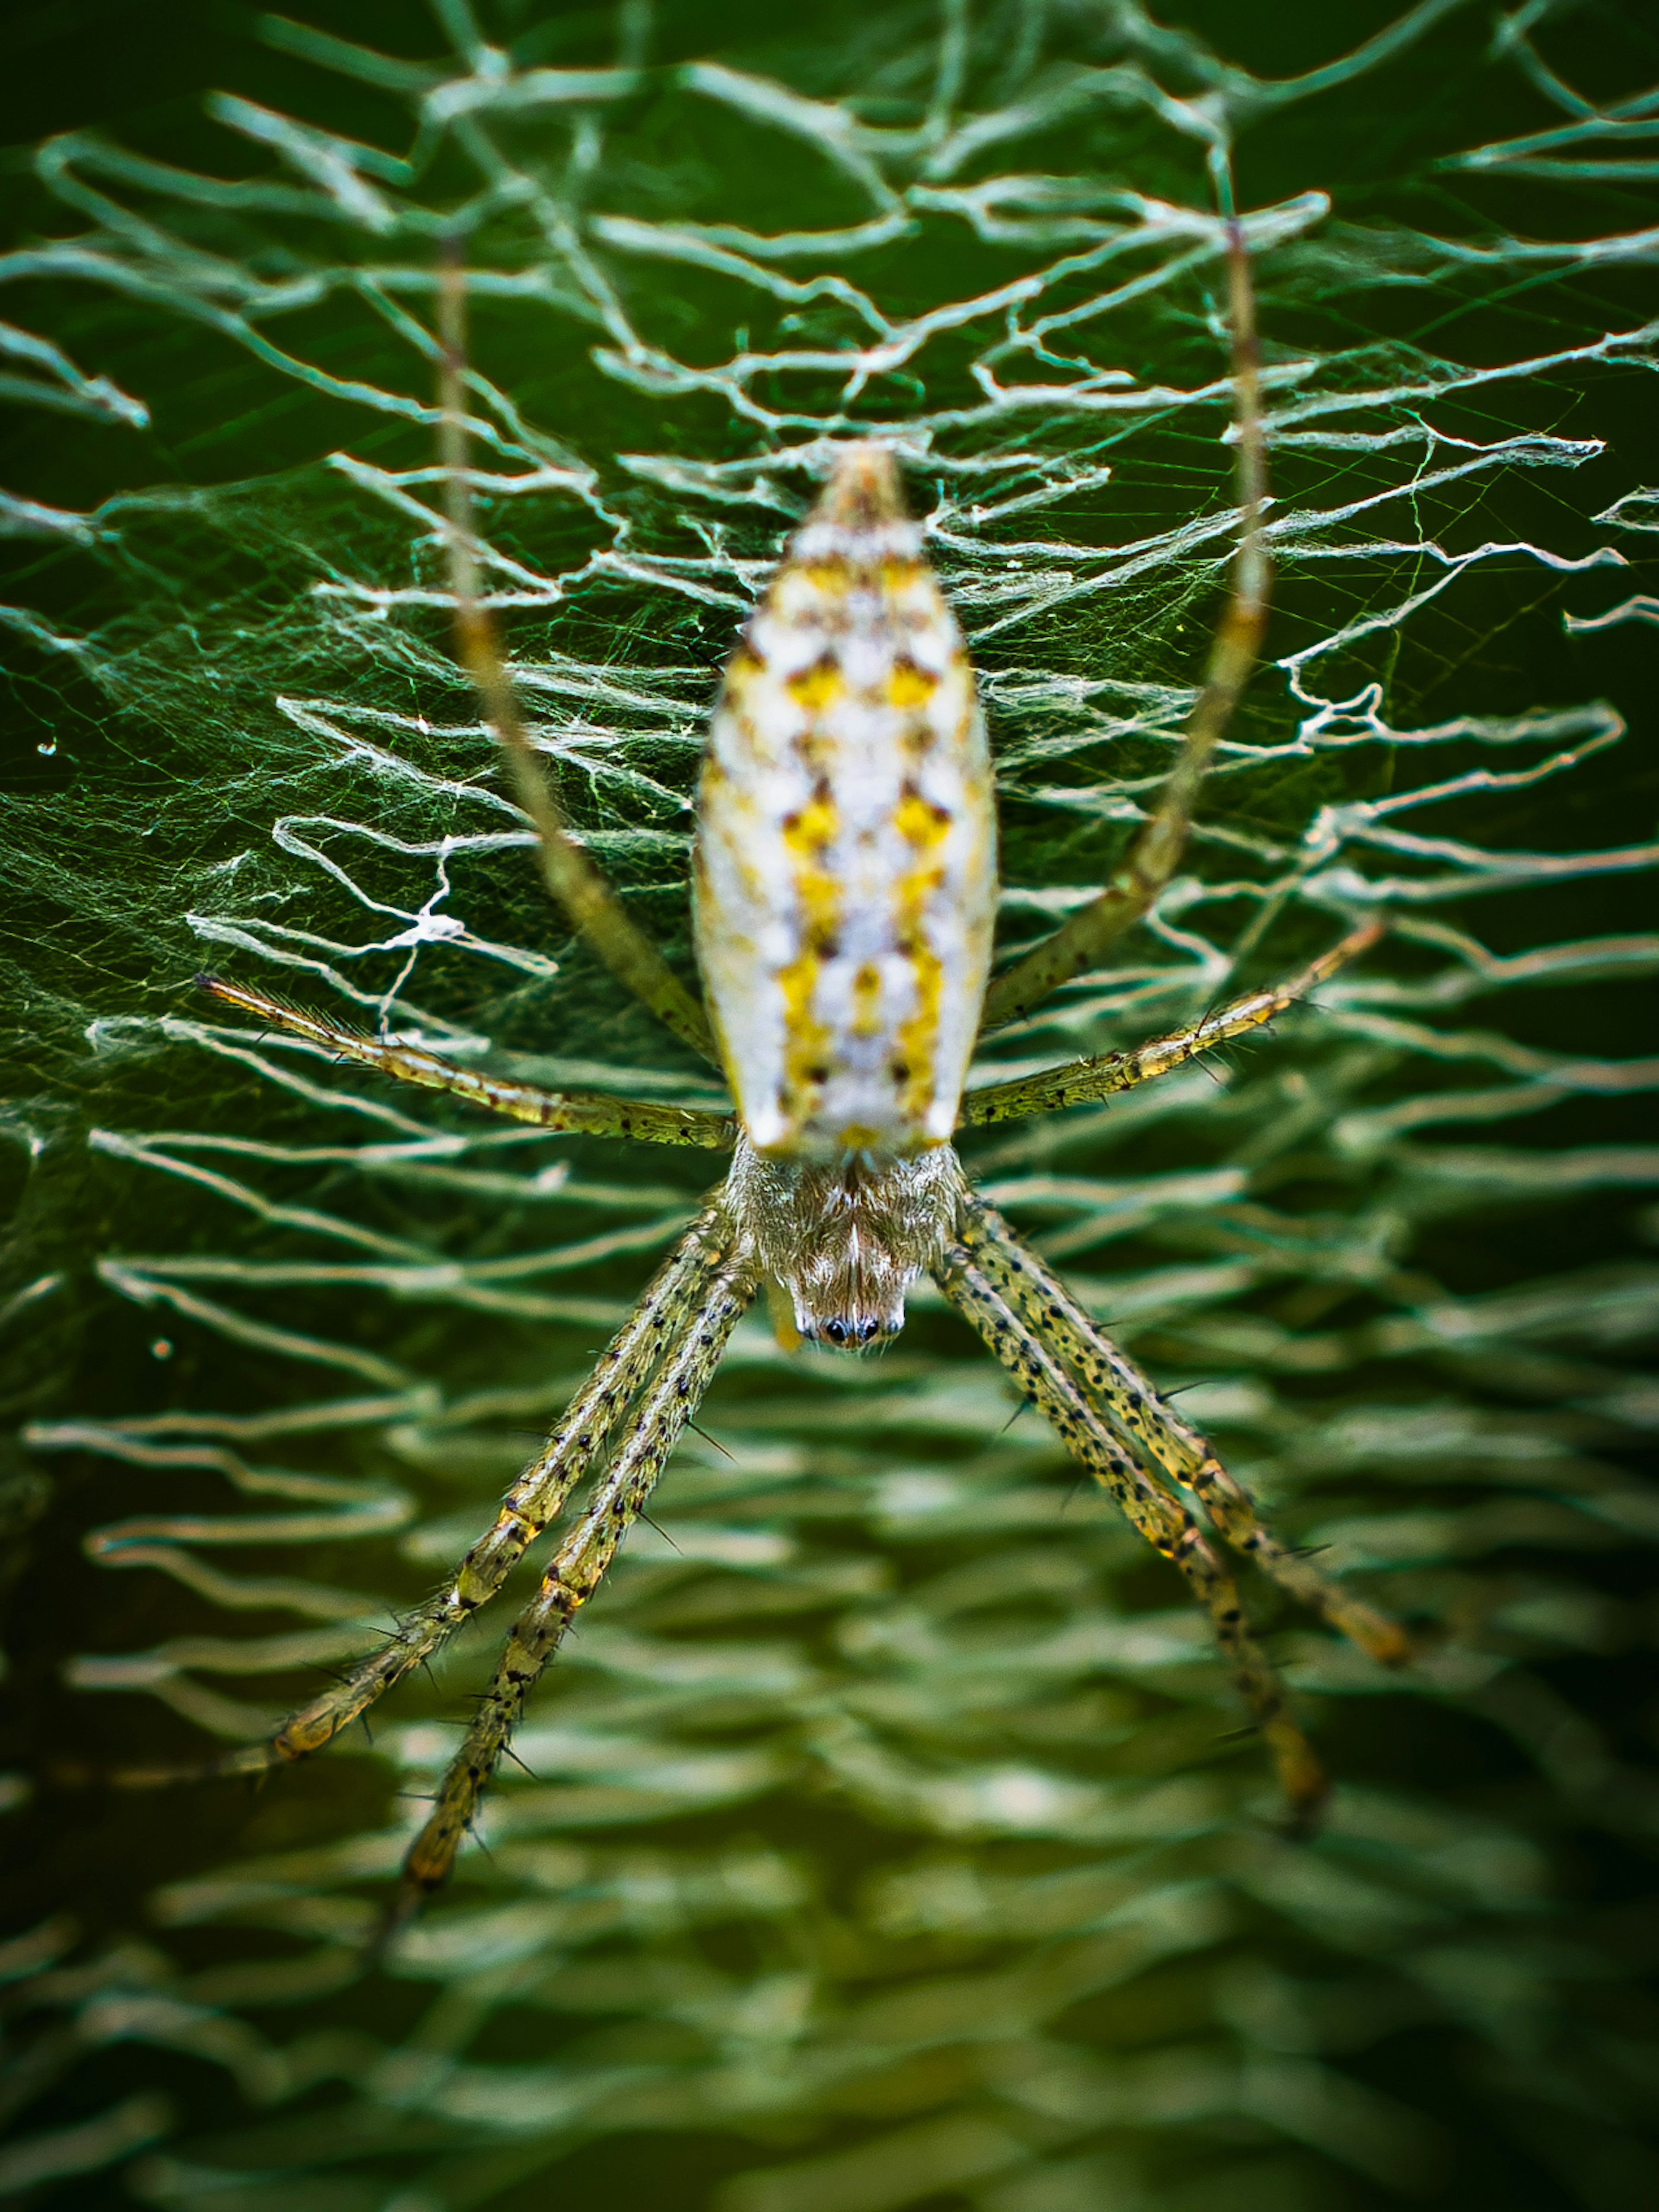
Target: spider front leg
{"x": 1148, "y": 1504}
{"x": 699, "y": 1320}
{"x": 1144, "y": 1425}
{"x": 651, "y": 1334}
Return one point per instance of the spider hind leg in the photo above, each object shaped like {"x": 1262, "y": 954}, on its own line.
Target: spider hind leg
{"x": 598, "y": 916}
{"x": 1151, "y": 862}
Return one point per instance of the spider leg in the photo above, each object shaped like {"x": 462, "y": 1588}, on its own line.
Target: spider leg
{"x": 698, "y": 1324}
{"x": 1151, "y": 1507}
{"x": 1123, "y": 1398}
{"x": 654, "y": 1332}
{"x": 1082, "y": 1080}
{"x": 598, "y": 916}
{"x": 1155, "y": 852}
{"x": 594, "y": 1112}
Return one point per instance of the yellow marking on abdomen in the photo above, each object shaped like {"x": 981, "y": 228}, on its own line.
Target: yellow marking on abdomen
{"x": 816, "y": 687}
{"x": 812, "y": 832}
{"x": 832, "y": 577}
{"x": 866, "y": 1002}
{"x": 909, "y": 686}
{"x": 917, "y": 1043}
{"x": 856, "y": 1137}
{"x": 808, "y": 1058}
{"x": 919, "y": 822}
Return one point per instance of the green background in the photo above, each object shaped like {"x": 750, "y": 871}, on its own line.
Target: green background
{"x": 887, "y": 1840}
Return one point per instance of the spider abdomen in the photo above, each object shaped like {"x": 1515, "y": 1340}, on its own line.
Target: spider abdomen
{"x": 846, "y": 873}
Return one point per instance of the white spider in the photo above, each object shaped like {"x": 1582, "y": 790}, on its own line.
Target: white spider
{"x": 846, "y": 887}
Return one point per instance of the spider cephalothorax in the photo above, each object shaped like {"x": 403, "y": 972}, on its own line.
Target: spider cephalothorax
{"x": 846, "y": 888}
{"x": 844, "y": 1239}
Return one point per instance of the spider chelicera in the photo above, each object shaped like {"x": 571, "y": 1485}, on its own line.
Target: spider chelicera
{"x": 846, "y": 887}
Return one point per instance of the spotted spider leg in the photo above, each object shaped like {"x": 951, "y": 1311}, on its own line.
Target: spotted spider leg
{"x": 1081, "y": 1081}
{"x": 594, "y": 1113}
{"x": 1150, "y": 1505}
{"x": 1155, "y": 852}
{"x": 596, "y": 913}
{"x": 654, "y": 1334}
{"x": 698, "y": 1317}
{"x": 1145, "y": 1426}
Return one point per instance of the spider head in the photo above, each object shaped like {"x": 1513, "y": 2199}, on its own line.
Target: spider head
{"x": 854, "y": 1334}
{"x": 843, "y": 1240}
{"x": 848, "y": 1328}
{"x": 842, "y": 1269}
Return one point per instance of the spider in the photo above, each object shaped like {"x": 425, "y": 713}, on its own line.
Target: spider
{"x": 845, "y": 889}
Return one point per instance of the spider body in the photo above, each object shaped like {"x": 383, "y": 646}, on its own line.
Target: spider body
{"x": 846, "y": 860}
{"x": 845, "y": 888}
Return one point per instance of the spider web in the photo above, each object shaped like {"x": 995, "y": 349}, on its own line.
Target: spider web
{"x": 882, "y": 1803}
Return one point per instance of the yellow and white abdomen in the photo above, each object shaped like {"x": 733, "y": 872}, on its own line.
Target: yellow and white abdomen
{"x": 846, "y": 868}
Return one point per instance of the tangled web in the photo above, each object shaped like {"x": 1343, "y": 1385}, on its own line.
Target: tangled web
{"x": 879, "y": 1838}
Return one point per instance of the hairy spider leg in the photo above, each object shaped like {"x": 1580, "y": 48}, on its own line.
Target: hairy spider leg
{"x": 1083, "y": 1080}
{"x": 594, "y": 910}
{"x": 653, "y": 1333}
{"x": 1151, "y": 1509}
{"x": 1149, "y": 1429}
{"x": 1155, "y": 852}
{"x": 594, "y": 1113}
{"x": 699, "y": 1319}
